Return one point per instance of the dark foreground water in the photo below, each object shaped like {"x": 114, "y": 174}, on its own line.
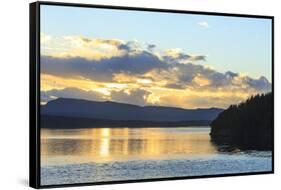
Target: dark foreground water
{"x": 112, "y": 154}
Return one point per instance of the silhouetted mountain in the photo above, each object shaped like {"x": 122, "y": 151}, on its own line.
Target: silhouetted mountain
{"x": 124, "y": 112}
{"x": 248, "y": 125}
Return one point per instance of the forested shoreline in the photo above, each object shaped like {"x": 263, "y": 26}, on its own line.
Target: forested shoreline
{"x": 248, "y": 125}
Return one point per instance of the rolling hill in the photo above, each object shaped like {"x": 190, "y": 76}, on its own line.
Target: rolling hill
{"x": 75, "y": 109}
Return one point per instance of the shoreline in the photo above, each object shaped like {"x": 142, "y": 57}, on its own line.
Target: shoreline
{"x": 61, "y": 122}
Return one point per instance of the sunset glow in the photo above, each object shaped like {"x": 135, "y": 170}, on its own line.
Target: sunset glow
{"x": 131, "y": 70}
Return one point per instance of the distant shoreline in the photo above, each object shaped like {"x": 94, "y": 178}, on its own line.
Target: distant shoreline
{"x": 62, "y": 122}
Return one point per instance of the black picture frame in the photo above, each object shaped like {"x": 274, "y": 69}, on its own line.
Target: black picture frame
{"x": 34, "y": 90}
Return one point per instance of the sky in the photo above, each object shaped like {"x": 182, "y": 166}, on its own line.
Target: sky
{"x": 152, "y": 58}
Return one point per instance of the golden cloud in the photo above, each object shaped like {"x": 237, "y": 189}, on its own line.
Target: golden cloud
{"x": 113, "y": 69}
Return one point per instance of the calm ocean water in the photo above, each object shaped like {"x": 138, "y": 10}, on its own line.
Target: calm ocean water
{"x": 112, "y": 154}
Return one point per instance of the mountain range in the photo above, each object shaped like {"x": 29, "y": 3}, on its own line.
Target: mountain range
{"x": 76, "y": 108}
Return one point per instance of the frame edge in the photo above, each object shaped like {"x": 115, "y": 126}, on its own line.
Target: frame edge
{"x": 34, "y": 88}
{"x": 34, "y": 177}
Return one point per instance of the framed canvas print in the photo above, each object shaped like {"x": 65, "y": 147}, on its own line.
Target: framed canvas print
{"x": 123, "y": 94}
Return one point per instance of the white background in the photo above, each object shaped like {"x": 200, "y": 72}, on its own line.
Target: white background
{"x": 14, "y": 73}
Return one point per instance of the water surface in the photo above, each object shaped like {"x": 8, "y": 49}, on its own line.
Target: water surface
{"x": 110, "y": 154}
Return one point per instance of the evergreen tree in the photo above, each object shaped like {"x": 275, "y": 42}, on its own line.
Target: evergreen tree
{"x": 248, "y": 125}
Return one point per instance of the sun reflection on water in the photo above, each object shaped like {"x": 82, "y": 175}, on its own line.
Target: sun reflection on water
{"x": 111, "y": 144}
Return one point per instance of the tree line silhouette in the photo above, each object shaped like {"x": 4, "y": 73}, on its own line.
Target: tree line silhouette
{"x": 248, "y": 125}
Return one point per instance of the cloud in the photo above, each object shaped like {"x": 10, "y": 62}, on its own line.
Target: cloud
{"x": 97, "y": 49}
{"x": 130, "y": 47}
{"x": 71, "y": 93}
{"x": 132, "y": 96}
{"x": 175, "y": 86}
{"x": 79, "y": 46}
{"x": 198, "y": 58}
{"x": 101, "y": 70}
{"x": 132, "y": 73}
{"x": 231, "y": 74}
{"x": 200, "y": 101}
{"x": 151, "y": 47}
{"x": 203, "y": 24}
{"x": 178, "y": 56}
{"x": 261, "y": 84}
{"x": 147, "y": 66}
{"x": 45, "y": 38}
{"x": 199, "y": 77}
